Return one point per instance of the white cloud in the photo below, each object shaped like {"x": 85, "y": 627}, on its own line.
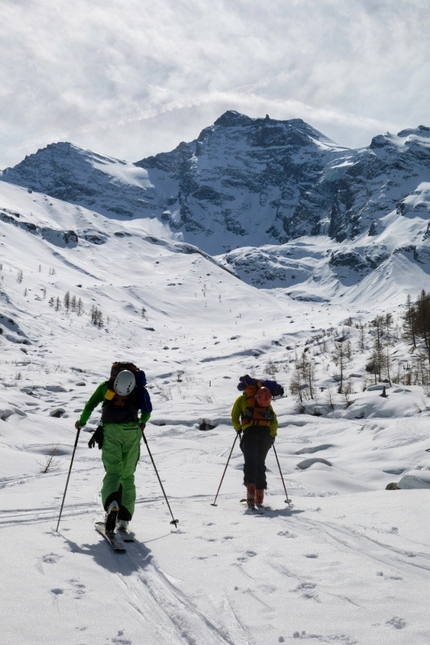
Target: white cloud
{"x": 130, "y": 78}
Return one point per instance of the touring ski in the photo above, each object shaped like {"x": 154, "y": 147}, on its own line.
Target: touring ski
{"x": 260, "y": 510}
{"x": 257, "y": 510}
{"x": 114, "y": 539}
{"x": 125, "y": 535}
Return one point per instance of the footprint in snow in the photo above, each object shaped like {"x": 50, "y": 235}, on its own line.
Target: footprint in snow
{"x": 287, "y": 534}
{"x": 248, "y": 554}
{"x": 305, "y": 586}
{"x": 51, "y": 558}
{"x": 307, "y": 589}
{"x": 397, "y": 622}
{"x": 79, "y": 587}
{"x": 118, "y": 640}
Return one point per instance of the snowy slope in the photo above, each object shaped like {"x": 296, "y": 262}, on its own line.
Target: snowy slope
{"x": 283, "y": 204}
{"x": 239, "y": 183}
{"x": 315, "y": 264}
{"x": 348, "y": 563}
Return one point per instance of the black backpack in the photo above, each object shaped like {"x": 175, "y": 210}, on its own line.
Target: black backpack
{"x": 142, "y": 396}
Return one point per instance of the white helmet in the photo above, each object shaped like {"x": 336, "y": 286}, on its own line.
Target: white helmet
{"x": 124, "y": 383}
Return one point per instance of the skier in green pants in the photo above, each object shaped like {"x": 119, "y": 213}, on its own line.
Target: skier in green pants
{"x": 119, "y": 435}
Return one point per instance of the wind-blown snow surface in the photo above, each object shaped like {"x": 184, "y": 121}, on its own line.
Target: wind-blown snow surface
{"x": 348, "y": 563}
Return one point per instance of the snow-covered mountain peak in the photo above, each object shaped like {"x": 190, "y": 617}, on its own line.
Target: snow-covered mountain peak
{"x": 421, "y": 132}
{"x": 247, "y": 183}
{"x": 274, "y": 130}
{"x": 404, "y": 141}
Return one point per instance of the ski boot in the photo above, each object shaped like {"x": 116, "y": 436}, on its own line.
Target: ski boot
{"x": 112, "y": 513}
{"x": 250, "y": 495}
{"x": 259, "y": 497}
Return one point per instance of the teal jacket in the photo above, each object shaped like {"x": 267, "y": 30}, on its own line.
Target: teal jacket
{"x": 97, "y": 398}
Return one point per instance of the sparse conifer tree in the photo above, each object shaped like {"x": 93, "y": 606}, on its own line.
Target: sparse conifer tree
{"x": 302, "y": 381}
{"x": 423, "y": 320}
{"x": 96, "y": 316}
{"x": 378, "y": 358}
{"x": 341, "y": 356}
{"x": 409, "y": 324}
{"x": 362, "y": 336}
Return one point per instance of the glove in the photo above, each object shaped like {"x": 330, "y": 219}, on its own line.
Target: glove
{"x": 97, "y": 438}
{"x": 78, "y": 425}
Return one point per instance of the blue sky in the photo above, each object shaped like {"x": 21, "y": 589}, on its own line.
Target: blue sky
{"x": 130, "y": 78}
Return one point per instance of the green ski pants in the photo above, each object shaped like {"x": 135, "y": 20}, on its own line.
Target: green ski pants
{"x": 120, "y": 454}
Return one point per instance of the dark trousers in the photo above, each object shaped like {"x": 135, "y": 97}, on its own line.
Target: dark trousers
{"x": 256, "y": 443}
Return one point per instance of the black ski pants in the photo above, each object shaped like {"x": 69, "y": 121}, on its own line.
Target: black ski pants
{"x": 255, "y": 444}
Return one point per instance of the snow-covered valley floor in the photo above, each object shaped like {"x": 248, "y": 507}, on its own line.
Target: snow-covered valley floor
{"x": 348, "y": 563}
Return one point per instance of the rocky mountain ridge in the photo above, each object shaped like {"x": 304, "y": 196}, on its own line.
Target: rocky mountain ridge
{"x": 249, "y": 189}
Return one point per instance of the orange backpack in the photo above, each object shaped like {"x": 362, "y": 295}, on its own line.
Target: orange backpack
{"x": 255, "y": 414}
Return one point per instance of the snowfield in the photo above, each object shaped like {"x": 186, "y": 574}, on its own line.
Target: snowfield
{"x": 347, "y": 563}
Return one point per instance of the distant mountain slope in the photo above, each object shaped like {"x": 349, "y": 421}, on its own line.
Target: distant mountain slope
{"x": 251, "y": 189}
{"x": 109, "y": 186}
{"x": 242, "y": 182}
{"x": 138, "y": 281}
{"x": 383, "y": 178}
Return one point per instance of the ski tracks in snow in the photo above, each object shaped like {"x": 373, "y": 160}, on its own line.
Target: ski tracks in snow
{"x": 228, "y": 578}
{"x": 235, "y": 588}
{"x": 171, "y": 613}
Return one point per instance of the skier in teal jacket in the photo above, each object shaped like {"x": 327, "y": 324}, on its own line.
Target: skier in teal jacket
{"x": 119, "y": 438}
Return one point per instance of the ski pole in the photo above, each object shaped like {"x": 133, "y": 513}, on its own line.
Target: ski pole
{"x": 175, "y": 522}
{"x": 219, "y": 487}
{"x": 287, "y": 500}
{"x": 68, "y": 476}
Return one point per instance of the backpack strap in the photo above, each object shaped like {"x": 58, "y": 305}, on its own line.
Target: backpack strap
{"x": 254, "y": 414}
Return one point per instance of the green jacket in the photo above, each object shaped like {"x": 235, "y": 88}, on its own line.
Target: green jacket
{"x": 238, "y": 411}
{"x": 98, "y": 397}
